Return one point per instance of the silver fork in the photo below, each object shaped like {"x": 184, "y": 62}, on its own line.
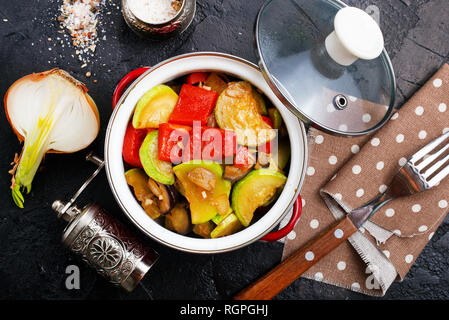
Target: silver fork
{"x": 417, "y": 175}
{"x": 420, "y": 173}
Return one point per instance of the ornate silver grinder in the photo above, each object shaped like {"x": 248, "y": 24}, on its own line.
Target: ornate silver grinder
{"x": 103, "y": 242}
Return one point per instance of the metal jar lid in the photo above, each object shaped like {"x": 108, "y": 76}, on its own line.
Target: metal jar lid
{"x": 325, "y": 61}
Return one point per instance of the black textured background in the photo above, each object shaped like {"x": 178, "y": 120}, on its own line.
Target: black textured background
{"x": 32, "y": 259}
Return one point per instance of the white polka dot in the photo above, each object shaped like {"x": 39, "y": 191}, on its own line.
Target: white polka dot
{"x": 416, "y": 208}
{"x": 375, "y": 142}
{"x": 341, "y": 265}
{"x": 333, "y": 160}
{"x": 383, "y": 188}
{"x": 314, "y": 224}
{"x": 400, "y": 138}
{"x": 419, "y": 110}
{"x": 431, "y": 235}
{"x": 343, "y": 127}
{"x": 360, "y": 193}
{"x": 355, "y": 149}
{"x": 291, "y": 235}
{"x": 310, "y": 171}
{"x": 423, "y": 228}
{"x": 442, "y": 107}
{"x": 356, "y": 169}
{"x": 389, "y": 212}
{"x": 380, "y": 165}
{"x": 319, "y": 139}
{"x": 395, "y": 116}
{"x": 409, "y": 258}
{"x": 402, "y": 162}
{"x": 397, "y": 232}
{"x": 355, "y": 286}
{"x": 339, "y": 233}
{"x": 303, "y": 202}
{"x": 366, "y": 118}
{"x": 338, "y": 196}
{"x": 386, "y": 253}
{"x": 442, "y": 204}
{"x": 330, "y": 108}
{"x": 422, "y": 134}
{"x": 309, "y": 256}
{"x": 319, "y": 276}
{"x": 437, "y": 83}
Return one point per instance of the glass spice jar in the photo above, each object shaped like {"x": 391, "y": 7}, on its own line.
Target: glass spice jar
{"x": 162, "y": 28}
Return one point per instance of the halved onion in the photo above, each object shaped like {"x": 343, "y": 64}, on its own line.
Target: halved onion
{"x": 51, "y": 112}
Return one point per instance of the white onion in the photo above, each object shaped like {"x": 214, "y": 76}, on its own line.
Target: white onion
{"x": 52, "y": 112}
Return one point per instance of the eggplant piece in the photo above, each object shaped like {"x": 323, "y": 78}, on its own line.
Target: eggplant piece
{"x": 233, "y": 173}
{"x": 137, "y": 179}
{"x": 165, "y": 195}
{"x": 203, "y": 178}
{"x": 178, "y": 219}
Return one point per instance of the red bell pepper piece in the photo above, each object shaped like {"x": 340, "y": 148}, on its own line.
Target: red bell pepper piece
{"x": 131, "y": 145}
{"x": 197, "y": 77}
{"x": 172, "y": 141}
{"x": 210, "y": 144}
{"x": 268, "y": 121}
{"x": 244, "y": 159}
{"x": 194, "y": 104}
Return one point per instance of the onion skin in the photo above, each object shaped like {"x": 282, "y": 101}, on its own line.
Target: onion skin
{"x": 48, "y": 112}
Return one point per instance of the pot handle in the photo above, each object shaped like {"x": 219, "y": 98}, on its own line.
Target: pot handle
{"x": 123, "y": 84}
{"x": 281, "y": 233}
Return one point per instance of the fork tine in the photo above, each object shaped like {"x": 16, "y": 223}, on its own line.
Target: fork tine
{"x": 439, "y": 177}
{"x": 427, "y": 149}
{"x": 435, "y": 167}
{"x": 431, "y": 158}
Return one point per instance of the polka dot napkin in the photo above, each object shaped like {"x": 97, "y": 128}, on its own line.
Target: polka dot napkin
{"x": 346, "y": 173}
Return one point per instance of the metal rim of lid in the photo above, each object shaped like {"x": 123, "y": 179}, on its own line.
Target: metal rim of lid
{"x": 302, "y": 116}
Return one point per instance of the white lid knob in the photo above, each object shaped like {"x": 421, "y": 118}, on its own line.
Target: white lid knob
{"x": 356, "y": 36}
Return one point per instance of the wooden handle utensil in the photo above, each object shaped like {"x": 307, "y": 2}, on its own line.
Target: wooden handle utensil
{"x": 299, "y": 262}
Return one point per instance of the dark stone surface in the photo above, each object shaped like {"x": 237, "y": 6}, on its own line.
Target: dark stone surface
{"x": 32, "y": 259}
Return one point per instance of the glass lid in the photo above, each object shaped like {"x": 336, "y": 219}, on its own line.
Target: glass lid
{"x": 327, "y": 64}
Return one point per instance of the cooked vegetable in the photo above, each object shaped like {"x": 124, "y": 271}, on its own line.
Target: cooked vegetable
{"x": 233, "y": 173}
{"x": 210, "y": 144}
{"x": 51, "y": 112}
{"x": 194, "y": 104}
{"x": 165, "y": 195}
{"x": 260, "y": 102}
{"x": 228, "y": 226}
{"x": 196, "y": 77}
{"x": 131, "y": 145}
{"x": 276, "y": 118}
{"x": 203, "y": 229}
{"x": 282, "y": 157}
{"x": 137, "y": 179}
{"x": 201, "y": 200}
{"x": 172, "y": 140}
{"x": 156, "y": 169}
{"x": 178, "y": 219}
{"x": 253, "y": 191}
{"x": 236, "y": 110}
{"x": 203, "y": 178}
{"x": 154, "y": 107}
{"x": 216, "y": 83}
{"x": 244, "y": 159}
{"x": 221, "y": 202}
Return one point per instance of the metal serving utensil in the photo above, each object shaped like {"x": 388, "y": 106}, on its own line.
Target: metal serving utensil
{"x": 423, "y": 171}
